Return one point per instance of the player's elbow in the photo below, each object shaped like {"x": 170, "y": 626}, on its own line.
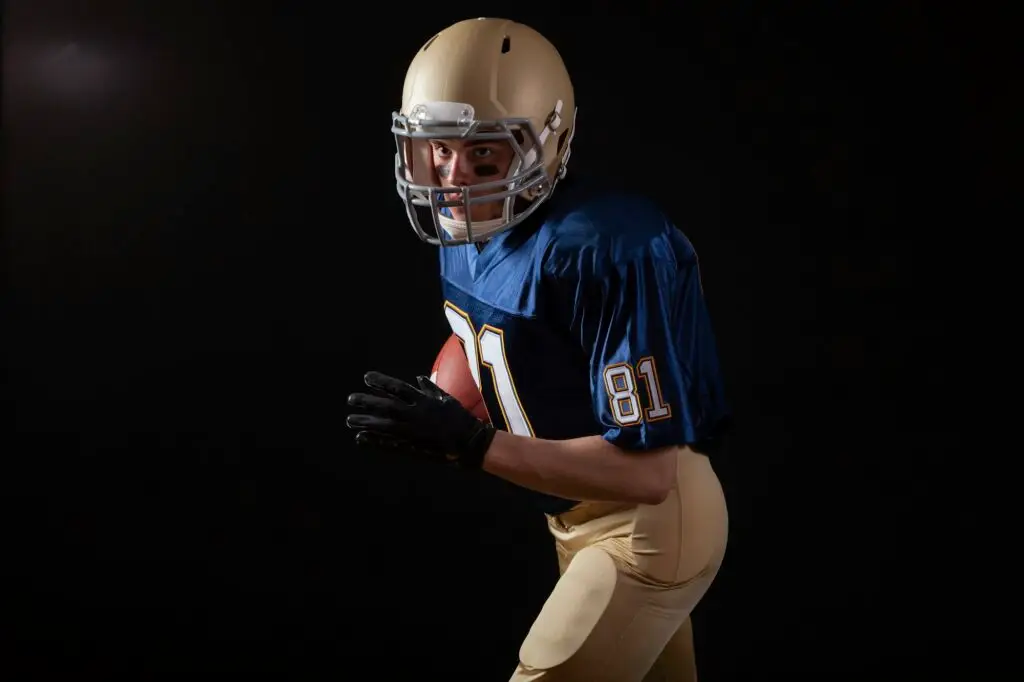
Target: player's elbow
{"x": 654, "y": 493}
{"x": 658, "y": 477}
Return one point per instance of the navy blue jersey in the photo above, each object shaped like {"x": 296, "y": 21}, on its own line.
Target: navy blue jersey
{"x": 589, "y": 321}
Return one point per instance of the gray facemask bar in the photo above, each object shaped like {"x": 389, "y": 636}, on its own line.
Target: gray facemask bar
{"x": 532, "y": 178}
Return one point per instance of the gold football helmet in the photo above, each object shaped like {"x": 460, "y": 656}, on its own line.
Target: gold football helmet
{"x": 483, "y": 79}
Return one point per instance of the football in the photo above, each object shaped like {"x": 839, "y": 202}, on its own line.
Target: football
{"x": 451, "y": 374}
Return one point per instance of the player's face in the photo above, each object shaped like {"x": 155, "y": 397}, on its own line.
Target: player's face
{"x": 461, "y": 163}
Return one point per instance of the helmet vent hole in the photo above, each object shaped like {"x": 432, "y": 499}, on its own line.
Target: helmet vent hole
{"x": 561, "y": 140}
{"x": 506, "y": 45}
{"x": 429, "y": 43}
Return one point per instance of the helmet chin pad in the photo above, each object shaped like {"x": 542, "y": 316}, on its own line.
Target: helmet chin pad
{"x": 482, "y": 229}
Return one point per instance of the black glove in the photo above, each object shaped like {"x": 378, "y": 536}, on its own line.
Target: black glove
{"x": 421, "y": 419}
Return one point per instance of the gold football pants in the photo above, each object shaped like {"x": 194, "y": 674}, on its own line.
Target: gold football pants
{"x": 631, "y": 575}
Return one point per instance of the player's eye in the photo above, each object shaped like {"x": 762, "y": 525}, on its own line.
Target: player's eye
{"x": 482, "y": 152}
{"x": 441, "y": 150}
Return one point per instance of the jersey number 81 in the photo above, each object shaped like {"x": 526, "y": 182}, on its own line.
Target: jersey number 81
{"x": 487, "y": 348}
{"x": 620, "y": 381}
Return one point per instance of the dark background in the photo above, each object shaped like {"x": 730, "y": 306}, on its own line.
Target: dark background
{"x": 205, "y": 252}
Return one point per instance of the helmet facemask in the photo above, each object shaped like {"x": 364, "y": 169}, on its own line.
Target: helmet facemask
{"x": 521, "y": 191}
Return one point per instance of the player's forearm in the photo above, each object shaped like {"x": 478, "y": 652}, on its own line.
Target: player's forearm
{"x": 587, "y": 468}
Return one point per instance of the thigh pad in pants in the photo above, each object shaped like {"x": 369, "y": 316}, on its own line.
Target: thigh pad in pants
{"x": 572, "y": 611}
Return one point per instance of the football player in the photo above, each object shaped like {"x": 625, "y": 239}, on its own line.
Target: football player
{"x": 582, "y": 316}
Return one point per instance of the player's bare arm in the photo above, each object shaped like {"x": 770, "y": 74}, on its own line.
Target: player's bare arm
{"x": 426, "y": 419}
{"x": 588, "y": 468}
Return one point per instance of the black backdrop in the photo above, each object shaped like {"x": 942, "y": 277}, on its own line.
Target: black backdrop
{"x": 205, "y": 252}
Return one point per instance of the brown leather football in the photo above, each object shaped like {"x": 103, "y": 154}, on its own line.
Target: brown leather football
{"x": 452, "y": 375}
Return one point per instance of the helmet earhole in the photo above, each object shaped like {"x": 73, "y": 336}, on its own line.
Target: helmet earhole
{"x": 561, "y": 140}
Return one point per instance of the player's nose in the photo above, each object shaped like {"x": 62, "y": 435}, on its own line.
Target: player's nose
{"x": 462, "y": 171}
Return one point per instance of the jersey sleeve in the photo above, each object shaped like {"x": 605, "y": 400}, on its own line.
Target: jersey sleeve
{"x": 643, "y": 327}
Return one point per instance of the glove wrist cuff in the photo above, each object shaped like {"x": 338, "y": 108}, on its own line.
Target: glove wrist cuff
{"x": 472, "y": 455}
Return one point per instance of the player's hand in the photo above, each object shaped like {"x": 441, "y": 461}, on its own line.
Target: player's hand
{"x": 417, "y": 418}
